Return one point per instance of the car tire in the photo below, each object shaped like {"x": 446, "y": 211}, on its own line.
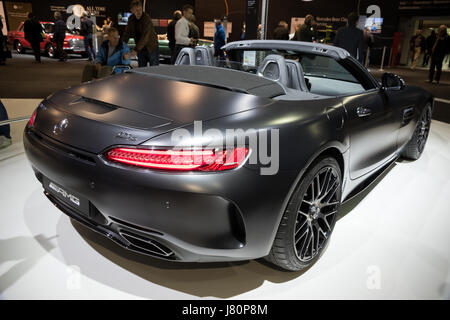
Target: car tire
{"x": 414, "y": 149}
{"x": 18, "y": 47}
{"x": 307, "y": 218}
{"x": 84, "y": 55}
{"x": 50, "y": 51}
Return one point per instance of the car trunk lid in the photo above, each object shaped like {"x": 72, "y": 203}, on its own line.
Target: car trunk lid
{"x": 131, "y": 109}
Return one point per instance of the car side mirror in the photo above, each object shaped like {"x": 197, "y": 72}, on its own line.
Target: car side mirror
{"x": 392, "y": 81}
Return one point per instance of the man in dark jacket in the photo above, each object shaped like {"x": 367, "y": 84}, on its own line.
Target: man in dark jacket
{"x": 86, "y": 31}
{"x": 440, "y": 48}
{"x": 219, "y": 40}
{"x": 33, "y": 34}
{"x": 59, "y": 34}
{"x": 171, "y": 34}
{"x": 140, "y": 27}
{"x": 351, "y": 38}
{"x": 429, "y": 42}
{"x": 194, "y": 31}
{"x": 306, "y": 32}
{"x": 282, "y": 31}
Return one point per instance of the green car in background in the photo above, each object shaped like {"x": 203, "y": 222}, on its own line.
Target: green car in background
{"x": 164, "y": 50}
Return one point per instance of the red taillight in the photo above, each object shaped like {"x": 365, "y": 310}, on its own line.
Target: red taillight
{"x": 32, "y": 119}
{"x": 181, "y": 160}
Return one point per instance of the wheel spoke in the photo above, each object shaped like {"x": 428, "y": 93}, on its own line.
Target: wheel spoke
{"x": 300, "y": 253}
{"x": 326, "y": 215}
{"x": 326, "y": 181}
{"x": 315, "y": 213}
{"x": 300, "y": 228}
{"x": 324, "y": 234}
{"x": 331, "y": 192}
{"x": 317, "y": 239}
{"x": 302, "y": 213}
{"x": 311, "y": 244}
{"x": 325, "y": 219}
{"x": 327, "y": 204}
{"x": 318, "y": 186}
{"x": 303, "y": 234}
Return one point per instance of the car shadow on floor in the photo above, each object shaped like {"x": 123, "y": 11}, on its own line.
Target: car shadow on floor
{"x": 25, "y": 253}
{"x": 351, "y": 203}
{"x": 219, "y": 280}
{"x": 157, "y": 279}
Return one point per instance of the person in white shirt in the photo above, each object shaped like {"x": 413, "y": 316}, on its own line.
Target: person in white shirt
{"x": 182, "y": 29}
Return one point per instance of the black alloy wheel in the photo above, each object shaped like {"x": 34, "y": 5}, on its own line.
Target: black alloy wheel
{"x": 414, "y": 149}
{"x": 423, "y": 129}
{"x": 316, "y": 214}
{"x": 309, "y": 219}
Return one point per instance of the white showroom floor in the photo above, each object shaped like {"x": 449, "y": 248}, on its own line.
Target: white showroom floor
{"x": 392, "y": 241}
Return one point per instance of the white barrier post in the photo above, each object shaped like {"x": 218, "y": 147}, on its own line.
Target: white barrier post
{"x": 382, "y": 59}
{"x": 366, "y": 63}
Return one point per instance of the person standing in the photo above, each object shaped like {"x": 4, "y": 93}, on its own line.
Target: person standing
{"x": 87, "y": 31}
{"x": 306, "y": 32}
{"x": 368, "y": 43}
{"x": 2, "y": 42}
{"x": 429, "y": 43}
{"x": 219, "y": 40}
{"x": 5, "y": 131}
{"x": 194, "y": 31}
{"x": 182, "y": 30}
{"x": 417, "y": 45}
{"x": 104, "y": 29}
{"x": 351, "y": 38}
{"x": 59, "y": 34}
{"x": 171, "y": 34}
{"x": 33, "y": 34}
{"x": 107, "y": 24}
{"x": 140, "y": 27}
{"x": 243, "y": 31}
{"x": 282, "y": 31}
{"x": 440, "y": 48}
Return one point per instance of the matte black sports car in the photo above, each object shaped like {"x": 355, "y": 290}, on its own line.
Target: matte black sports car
{"x": 107, "y": 156}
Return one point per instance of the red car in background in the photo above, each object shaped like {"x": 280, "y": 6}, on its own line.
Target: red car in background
{"x": 73, "y": 43}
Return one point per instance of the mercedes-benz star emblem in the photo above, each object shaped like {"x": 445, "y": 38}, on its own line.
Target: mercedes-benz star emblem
{"x": 60, "y": 127}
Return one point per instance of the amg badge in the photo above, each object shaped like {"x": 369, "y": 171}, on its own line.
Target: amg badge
{"x": 64, "y": 193}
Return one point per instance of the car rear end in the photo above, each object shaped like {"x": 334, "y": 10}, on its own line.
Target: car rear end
{"x": 78, "y": 148}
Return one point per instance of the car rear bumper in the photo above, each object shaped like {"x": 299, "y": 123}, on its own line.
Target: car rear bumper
{"x": 74, "y": 50}
{"x": 174, "y": 216}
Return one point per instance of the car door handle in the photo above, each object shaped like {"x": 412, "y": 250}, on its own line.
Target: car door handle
{"x": 363, "y": 112}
